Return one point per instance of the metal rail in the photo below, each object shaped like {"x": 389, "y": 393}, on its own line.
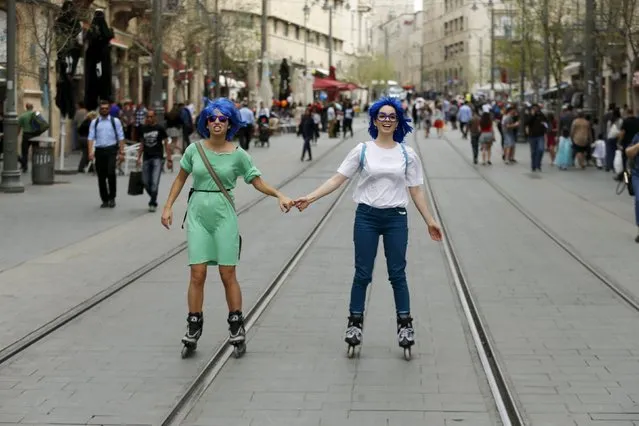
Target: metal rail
{"x": 207, "y": 375}
{"x": 69, "y": 315}
{"x": 504, "y": 397}
{"x": 625, "y": 294}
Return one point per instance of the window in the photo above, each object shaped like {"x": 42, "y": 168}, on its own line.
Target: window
{"x": 297, "y": 32}
{"x": 285, "y": 29}
{"x": 274, "y": 26}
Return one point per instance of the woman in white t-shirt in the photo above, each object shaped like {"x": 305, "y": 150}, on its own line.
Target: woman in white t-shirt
{"x": 386, "y": 167}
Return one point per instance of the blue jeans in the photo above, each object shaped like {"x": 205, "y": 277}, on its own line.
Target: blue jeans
{"x": 611, "y": 148}
{"x": 635, "y": 184}
{"x": 392, "y": 225}
{"x": 151, "y": 169}
{"x": 536, "y": 151}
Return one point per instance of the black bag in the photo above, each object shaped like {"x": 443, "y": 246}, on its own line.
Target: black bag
{"x": 38, "y": 124}
{"x": 626, "y": 182}
{"x": 136, "y": 185}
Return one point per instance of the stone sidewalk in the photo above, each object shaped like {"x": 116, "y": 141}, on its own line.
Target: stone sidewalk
{"x": 46, "y": 218}
{"x": 48, "y": 285}
{"x": 120, "y": 363}
{"x": 581, "y": 206}
{"x": 568, "y": 344}
{"x": 296, "y": 371}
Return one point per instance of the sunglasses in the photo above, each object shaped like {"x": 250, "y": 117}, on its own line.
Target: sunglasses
{"x": 387, "y": 117}
{"x": 220, "y": 118}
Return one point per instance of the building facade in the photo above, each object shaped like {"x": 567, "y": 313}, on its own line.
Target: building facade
{"x": 457, "y": 43}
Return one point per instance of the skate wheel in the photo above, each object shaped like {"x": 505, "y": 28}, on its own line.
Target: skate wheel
{"x": 239, "y": 350}
{"x": 351, "y": 351}
{"x": 407, "y": 354}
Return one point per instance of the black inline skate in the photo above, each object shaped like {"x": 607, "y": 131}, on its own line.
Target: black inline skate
{"x": 195, "y": 322}
{"x": 353, "y": 334}
{"x": 237, "y": 333}
{"x": 405, "y": 334}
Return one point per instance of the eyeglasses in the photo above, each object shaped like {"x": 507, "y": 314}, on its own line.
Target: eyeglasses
{"x": 387, "y": 117}
{"x": 220, "y": 118}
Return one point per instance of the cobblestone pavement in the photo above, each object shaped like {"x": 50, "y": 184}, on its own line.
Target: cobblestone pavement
{"x": 569, "y": 344}
{"x": 46, "y": 285}
{"x": 297, "y": 372}
{"x": 120, "y": 363}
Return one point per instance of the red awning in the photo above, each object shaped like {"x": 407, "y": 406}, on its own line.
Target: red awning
{"x": 327, "y": 84}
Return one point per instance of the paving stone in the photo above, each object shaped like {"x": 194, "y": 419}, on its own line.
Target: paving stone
{"x": 296, "y": 365}
{"x": 537, "y": 300}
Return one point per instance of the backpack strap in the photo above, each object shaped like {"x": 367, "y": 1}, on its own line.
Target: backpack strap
{"x": 115, "y": 132}
{"x": 405, "y": 158}
{"x": 362, "y": 155}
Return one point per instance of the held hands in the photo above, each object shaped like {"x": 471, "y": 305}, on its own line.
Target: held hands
{"x": 285, "y": 203}
{"x": 302, "y": 203}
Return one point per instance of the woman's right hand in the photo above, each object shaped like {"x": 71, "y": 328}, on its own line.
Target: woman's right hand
{"x": 302, "y": 203}
{"x": 167, "y": 217}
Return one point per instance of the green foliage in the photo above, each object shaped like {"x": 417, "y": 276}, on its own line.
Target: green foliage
{"x": 364, "y": 70}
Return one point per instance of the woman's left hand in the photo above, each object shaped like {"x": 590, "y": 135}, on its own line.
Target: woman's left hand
{"x": 435, "y": 231}
{"x": 285, "y": 203}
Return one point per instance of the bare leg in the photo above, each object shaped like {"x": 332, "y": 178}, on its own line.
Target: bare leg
{"x": 195, "y": 294}
{"x": 231, "y": 288}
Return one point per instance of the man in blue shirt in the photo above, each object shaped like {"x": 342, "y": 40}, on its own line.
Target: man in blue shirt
{"x": 632, "y": 151}
{"x": 106, "y": 135}
{"x": 245, "y": 132}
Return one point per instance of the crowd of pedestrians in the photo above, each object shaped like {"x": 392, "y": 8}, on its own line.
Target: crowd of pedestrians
{"x": 573, "y": 140}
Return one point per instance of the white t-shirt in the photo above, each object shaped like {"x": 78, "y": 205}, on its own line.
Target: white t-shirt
{"x": 382, "y": 182}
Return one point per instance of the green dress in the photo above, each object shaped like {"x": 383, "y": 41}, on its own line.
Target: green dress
{"x": 212, "y": 229}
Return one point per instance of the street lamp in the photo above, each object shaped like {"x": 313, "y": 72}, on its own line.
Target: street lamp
{"x": 492, "y": 44}
{"x": 11, "y": 174}
{"x": 330, "y": 6}
{"x": 307, "y": 12}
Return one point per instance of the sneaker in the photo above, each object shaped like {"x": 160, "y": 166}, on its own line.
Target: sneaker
{"x": 152, "y": 208}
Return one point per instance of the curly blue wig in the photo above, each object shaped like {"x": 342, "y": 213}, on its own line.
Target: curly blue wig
{"x": 403, "y": 128}
{"x": 225, "y": 107}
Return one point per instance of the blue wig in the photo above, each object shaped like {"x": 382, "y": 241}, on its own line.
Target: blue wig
{"x": 226, "y": 108}
{"x": 403, "y": 128}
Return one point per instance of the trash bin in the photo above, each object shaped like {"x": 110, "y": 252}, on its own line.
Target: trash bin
{"x": 43, "y": 163}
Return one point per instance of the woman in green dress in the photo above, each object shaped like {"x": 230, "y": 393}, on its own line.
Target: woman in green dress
{"x": 212, "y": 229}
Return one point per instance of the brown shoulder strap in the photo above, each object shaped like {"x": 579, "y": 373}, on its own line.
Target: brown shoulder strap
{"x": 214, "y": 175}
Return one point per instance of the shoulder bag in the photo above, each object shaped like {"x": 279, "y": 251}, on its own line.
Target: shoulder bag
{"x": 217, "y": 181}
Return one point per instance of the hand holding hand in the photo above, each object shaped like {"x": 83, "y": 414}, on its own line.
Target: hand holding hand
{"x": 285, "y": 203}
{"x": 167, "y": 217}
{"x": 302, "y": 203}
{"x": 435, "y": 231}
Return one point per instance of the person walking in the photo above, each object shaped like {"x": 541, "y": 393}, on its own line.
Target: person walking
{"x": 536, "y": 130}
{"x": 386, "y": 167}
{"x": 154, "y": 142}
{"x": 486, "y": 137}
{"x": 106, "y": 146}
{"x": 307, "y": 131}
{"x": 213, "y": 237}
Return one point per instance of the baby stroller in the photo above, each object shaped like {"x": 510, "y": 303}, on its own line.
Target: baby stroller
{"x": 263, "y": 131}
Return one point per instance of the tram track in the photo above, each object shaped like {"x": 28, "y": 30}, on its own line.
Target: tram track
{"x": 503, "y": 395}
{"x": 626, "y": 295}
{"x": 191, "y": 396}
{"x": 10, "y": 351}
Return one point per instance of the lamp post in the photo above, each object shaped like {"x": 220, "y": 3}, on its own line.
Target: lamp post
{"x": 158, "y": 74}
{"x": 11, "y": 174}
{"x": 307, "y": 12}
{"x": 521, "y": 137}
{"x": 329, "y": 7}
{"x": 491, "y": 6}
